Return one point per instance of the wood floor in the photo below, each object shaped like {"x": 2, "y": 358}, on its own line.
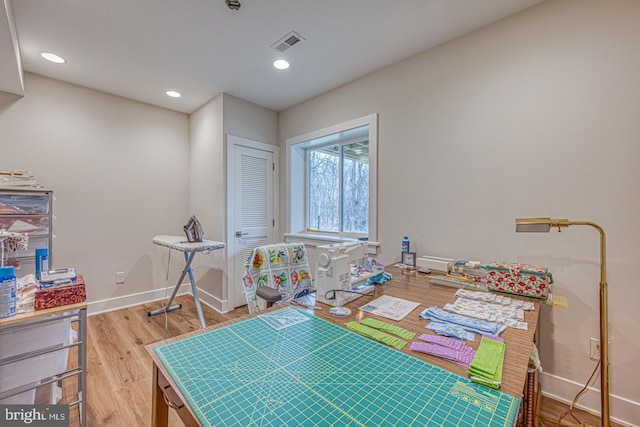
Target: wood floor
{"x": 119, "y": 369}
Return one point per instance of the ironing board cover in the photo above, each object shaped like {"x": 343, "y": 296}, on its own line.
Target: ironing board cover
{"x": 282, "y": 266}
{"x": 179, "y": 243}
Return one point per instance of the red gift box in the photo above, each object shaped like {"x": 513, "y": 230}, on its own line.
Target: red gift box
{"x": 61, "y": 295}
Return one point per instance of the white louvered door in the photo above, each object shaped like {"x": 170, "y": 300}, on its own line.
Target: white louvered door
{"x": 253, "y": 213}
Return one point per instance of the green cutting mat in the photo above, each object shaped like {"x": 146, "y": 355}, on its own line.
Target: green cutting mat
{"x": 314, "y": 373}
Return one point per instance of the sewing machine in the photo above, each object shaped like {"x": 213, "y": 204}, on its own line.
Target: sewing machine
{"x": 339, "y": 276}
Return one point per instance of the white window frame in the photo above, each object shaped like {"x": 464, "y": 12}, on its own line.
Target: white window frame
{"x": 296, "y": 185}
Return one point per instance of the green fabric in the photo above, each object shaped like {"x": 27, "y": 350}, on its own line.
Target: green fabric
{"x": 492, "y": 383}
{"x": 487, "y": 357}
{"x": 486, "y": 366}
{"x": 376, "y": 335}
{"x": 388, "y": 327}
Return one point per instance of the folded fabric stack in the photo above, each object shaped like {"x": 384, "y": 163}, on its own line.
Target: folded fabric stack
{"x": 486, "y": 366}
{"x": 495, "y": 298}
{"x": 446, "y": 348}
{"x": 388, "y": 327}
{"x": 470, "y": 324}
{"x": 372, "y": 328}
{"x": 451, "y": 330}
{"x": 497, "y": 313}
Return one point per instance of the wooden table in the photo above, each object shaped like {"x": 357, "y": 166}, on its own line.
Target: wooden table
{"x": 407, "y": 285}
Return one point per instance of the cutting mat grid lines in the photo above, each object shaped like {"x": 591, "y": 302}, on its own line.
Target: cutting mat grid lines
{"x": 316, "y": 373}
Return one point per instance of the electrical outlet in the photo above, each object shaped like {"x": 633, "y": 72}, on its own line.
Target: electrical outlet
{"x": 594, "y": 348}
{"x": 120, "y": 278}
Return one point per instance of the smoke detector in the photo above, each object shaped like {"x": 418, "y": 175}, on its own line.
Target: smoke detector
{"x": 287, "y": 41}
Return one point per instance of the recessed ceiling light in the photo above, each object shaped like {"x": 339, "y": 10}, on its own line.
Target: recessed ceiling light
{"x": 174, "y": 94}
{"x": 281, "y": 64}
{"x": 52, "y": 57}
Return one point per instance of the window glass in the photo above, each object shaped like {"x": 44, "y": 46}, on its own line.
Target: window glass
{"x": 338, "y": 182}
{"x": 324, "y": 194}
{"x": 355, "y": 187}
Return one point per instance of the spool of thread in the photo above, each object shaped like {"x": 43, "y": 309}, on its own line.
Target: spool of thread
{"x": 7, "y": 292}
{"x": 42, "y": 261}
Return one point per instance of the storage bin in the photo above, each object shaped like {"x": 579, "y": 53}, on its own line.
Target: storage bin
{"x": 24, "y": 204}
{"x": 25, "y": 398}
{"x": 33, "y": 338}
{"x": 30, "y": 338}
{"x": 35, "y": 242}
{"x": 36, "y": 225}
{"x": 34, "y": 369}
{"x": 519, "y": 279}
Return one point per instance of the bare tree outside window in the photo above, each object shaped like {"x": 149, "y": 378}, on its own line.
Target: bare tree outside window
{"x": 324, "y": 194}
{"x": 339, "y": 205}
{"x": 355, "y": 188}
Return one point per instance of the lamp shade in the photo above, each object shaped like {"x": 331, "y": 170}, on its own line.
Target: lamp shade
{"x": 532, "y": 225}
{"x": 539, "y": 225}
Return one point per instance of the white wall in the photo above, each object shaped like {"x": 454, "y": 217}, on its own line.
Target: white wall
{"x": 123, "y": 172}
{"x": 207, "y": 197}
{"x": 223, "y": 115}
{"x": 119, "y": 171}
{"x": 536, "y": 115}
{"x": 250, "y": 121}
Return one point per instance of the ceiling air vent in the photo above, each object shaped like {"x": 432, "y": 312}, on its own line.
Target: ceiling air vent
{"x": 287, "y": 41}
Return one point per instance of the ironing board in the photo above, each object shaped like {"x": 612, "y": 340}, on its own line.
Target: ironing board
{"x": 189, "y": 249}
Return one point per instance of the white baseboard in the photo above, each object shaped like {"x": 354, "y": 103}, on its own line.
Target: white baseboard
{"x": 117, "y": 303}
{"x": 221, "y": 306}
{"x": 622, "y": 411}
{"x": 125, "y": 301}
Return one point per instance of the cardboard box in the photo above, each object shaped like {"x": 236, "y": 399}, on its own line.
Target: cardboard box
{"x": 519, "y": 279}
{"x": 62, "y": 295}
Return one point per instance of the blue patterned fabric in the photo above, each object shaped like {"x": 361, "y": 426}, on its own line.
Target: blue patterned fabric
{"x": 451, "y": 330}
{"x": 468, "y": 323}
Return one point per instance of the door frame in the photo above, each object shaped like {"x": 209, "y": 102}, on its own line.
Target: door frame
{"x": 232, "y": 142}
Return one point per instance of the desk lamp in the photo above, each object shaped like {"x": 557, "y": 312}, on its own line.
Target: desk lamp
{"x": 538, "y": 225}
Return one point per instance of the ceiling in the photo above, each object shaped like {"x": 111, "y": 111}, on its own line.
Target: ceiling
{"x": 139, "y": 49}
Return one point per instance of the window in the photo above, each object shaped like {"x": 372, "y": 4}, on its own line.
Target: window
{"x": 331, "y": 179}
{"x": 338, "y": 187}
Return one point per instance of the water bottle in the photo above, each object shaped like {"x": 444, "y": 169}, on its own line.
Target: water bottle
{"x": 7, "y": 292}
{"x": 406, "y": 245}
{"x": 42, "y": 261}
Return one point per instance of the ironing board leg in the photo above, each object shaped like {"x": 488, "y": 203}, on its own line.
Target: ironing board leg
{"x": 194, "y": 289}
{"x": 167, "y": 307}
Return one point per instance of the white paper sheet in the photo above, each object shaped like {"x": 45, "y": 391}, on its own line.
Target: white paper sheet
{"x": 390, "y": 307}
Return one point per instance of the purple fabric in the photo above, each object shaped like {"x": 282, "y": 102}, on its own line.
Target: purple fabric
{"x": 443, "y": 341}
{"x": 463, "y": 356}
{"x": 492, "y": 337}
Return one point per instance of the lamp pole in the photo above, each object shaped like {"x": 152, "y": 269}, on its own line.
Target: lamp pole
{"x": 544, "y": 225}
{"x": 604, "y": 325}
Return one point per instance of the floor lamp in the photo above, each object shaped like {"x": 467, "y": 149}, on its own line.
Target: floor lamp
{"x": 544, "y": 225}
